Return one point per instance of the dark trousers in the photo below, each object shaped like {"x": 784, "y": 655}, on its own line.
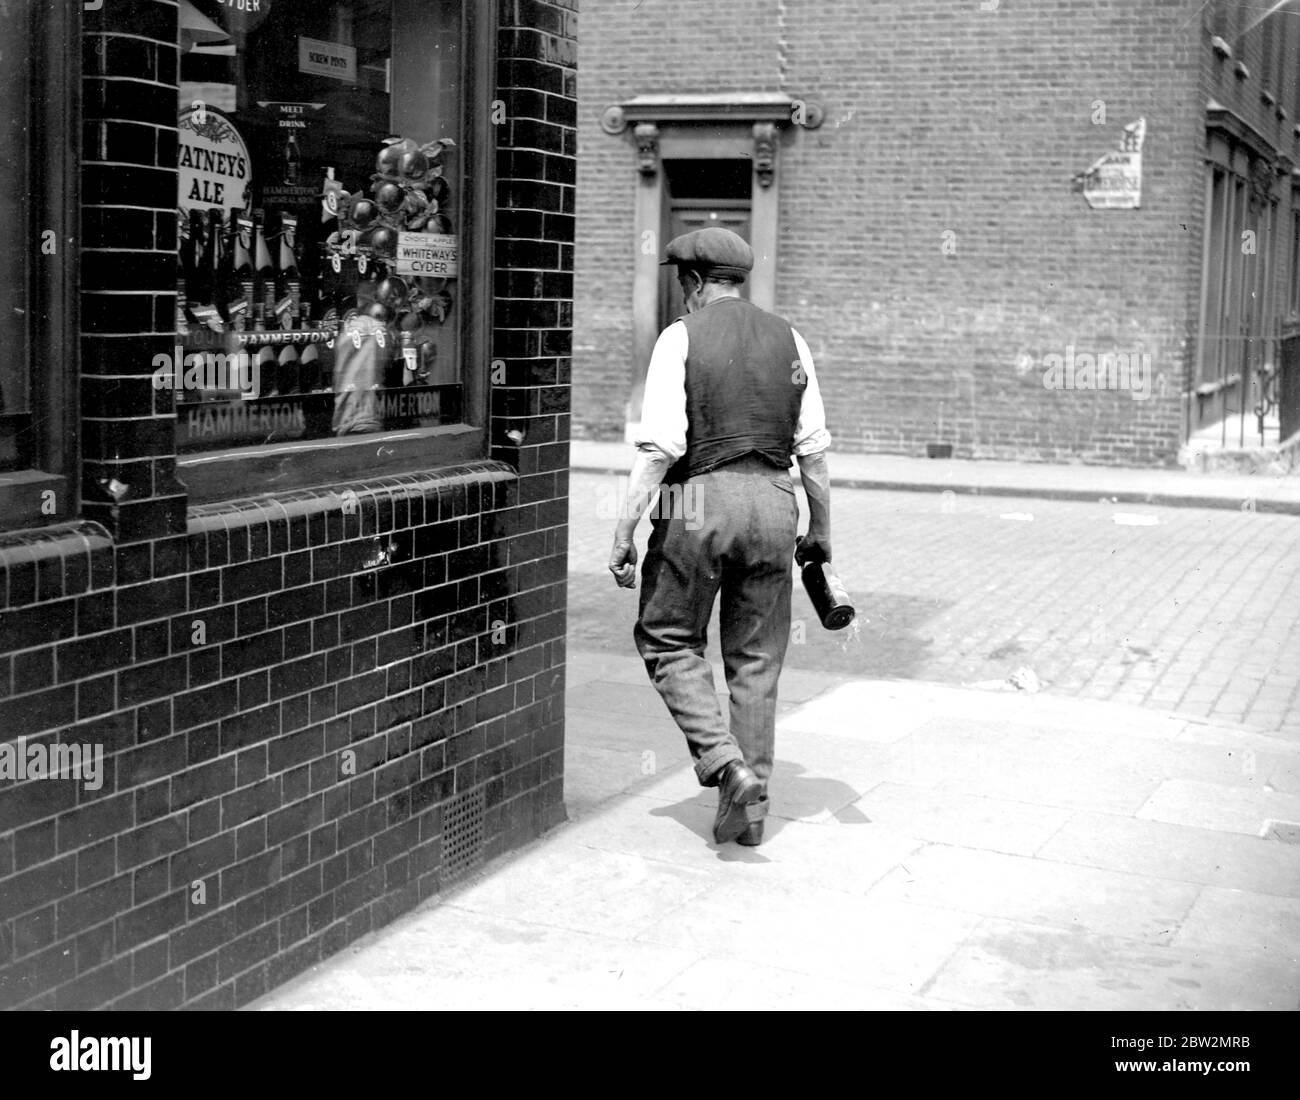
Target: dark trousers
{"x": 731, "y": 530}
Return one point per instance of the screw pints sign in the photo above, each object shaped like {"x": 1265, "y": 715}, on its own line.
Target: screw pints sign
{"x": 215, "y": 169}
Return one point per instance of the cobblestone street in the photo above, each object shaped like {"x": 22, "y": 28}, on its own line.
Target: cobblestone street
{"x": 1188, "y": 610}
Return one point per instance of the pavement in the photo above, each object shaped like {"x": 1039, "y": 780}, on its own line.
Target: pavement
{"x": 1264, "y": 492}
{"x": 933, "y": 845}
{"x": 929, "y": 847}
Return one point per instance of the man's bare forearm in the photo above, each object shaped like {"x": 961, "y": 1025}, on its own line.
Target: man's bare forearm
{"x": 816, "y": 478}
{"x": 647, "y": 473}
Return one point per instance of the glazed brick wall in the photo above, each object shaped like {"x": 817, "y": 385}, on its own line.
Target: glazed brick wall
{"x": 128, "y": 268}
{"x": 939, "y": 118}
{"x": 288, "y": 691}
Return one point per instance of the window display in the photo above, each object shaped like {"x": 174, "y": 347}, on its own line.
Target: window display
{"x": 318, "y": 179}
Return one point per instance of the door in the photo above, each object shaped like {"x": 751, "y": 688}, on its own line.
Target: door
{"x": 686, "y": 216}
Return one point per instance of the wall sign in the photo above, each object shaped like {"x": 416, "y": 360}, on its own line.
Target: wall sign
{"x": 332, "y": 59}
{"x": 1114, "y": 182}
{"x": 215, "y": 168}
{"x": 436, "y": 255}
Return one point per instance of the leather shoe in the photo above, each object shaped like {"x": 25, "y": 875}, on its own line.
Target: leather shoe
{"x": 738, "y": 787}
{"x": 752, "y": 837}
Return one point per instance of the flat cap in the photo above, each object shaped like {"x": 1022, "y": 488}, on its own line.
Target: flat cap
{"x": 714, "y": 250}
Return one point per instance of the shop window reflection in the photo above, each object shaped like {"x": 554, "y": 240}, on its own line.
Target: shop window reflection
{"x": 318, "y": 182}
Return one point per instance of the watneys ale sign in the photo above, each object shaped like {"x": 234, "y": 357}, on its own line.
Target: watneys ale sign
{"x": 215, "y": 169}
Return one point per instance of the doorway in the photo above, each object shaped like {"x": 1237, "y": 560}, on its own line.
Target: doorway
{"x": 699, "y": 194}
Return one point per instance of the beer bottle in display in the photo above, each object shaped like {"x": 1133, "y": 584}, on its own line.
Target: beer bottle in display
{"x": 243, "y": 260}
{"x": 265, "y": 271}
{"x": 292, "y": 160}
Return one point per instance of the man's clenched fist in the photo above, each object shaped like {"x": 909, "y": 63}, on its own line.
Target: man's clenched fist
{"x": 622, "y": 563}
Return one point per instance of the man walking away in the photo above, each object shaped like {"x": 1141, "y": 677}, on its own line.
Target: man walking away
{"x": 730, "y": 397}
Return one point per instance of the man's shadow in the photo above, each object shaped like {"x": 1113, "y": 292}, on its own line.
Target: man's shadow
{"x": 792, "y": 792}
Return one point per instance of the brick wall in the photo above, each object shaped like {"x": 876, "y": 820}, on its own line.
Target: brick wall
{"x": 940, "y": 118}
{"x": 292, "y": 695}
{"x": 1248, "y": 36}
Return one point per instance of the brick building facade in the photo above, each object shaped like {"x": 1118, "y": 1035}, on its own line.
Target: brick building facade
{"x": 911, "y": 172}
{"x": 326, "y": 677}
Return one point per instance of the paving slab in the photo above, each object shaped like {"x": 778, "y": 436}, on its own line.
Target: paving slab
{"x": 446, "y": 959}
{"x": 1232, "y": 809}
{"x": 915, "y": 760}
{"x": 720, "y": 985}
{"x": 584, "y": 666}
{"x": 593, "y": 775}
{"x": 797, "y": 685}
{"x": 1262, "y": 924}
{"x": 1007, "y": 964}
{"x": 815, "y": 931}
{"x": 847, "y": 858}
{"x": 971, "y": 821}
{"x": 992, "y": 884}
{"x": 1181, "y": 852}
{"x": 1233, "y": 764}
{"x": 1086, "y": 785}
{"x": 617, "y": 700}
{"x": 602, "y": 729}
{"x": 604, "y": 892}
{"x": 866, "y": 711}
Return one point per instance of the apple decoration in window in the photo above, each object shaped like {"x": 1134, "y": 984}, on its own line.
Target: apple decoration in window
{"x": 408, "y": 193}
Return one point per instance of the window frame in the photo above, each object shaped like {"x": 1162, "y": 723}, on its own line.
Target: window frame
{"x": 276, "y": 467}
{"x": 1293, "y": 289}
{"x": 53, "y": 359}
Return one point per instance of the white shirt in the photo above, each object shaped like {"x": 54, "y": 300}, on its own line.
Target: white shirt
{"x": 663, "y": 415}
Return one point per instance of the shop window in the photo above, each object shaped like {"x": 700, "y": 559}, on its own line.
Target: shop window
{"x": 16, "y": 438}
{"x": 39, "y": 98}
{"x": 323, "y": 285}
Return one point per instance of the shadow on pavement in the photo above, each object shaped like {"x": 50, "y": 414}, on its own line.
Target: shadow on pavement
{"x": 801, "y": 798}
{"x": 887, "y": 642}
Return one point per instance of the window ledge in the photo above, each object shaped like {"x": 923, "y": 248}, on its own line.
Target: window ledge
{"x": 239, "y": 472}
{"x": 23, "y": 502}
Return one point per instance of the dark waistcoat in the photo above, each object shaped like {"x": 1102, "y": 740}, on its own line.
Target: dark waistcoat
{"x": 744, "y": 387}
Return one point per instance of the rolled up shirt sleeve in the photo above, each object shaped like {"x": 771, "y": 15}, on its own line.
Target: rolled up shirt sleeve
{"x": 810, "y": 434}
{"x": 663, "y": 410}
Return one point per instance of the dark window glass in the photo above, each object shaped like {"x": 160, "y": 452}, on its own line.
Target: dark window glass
{"x": 319, "y": 186}
{"x": 19, "y": 241}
